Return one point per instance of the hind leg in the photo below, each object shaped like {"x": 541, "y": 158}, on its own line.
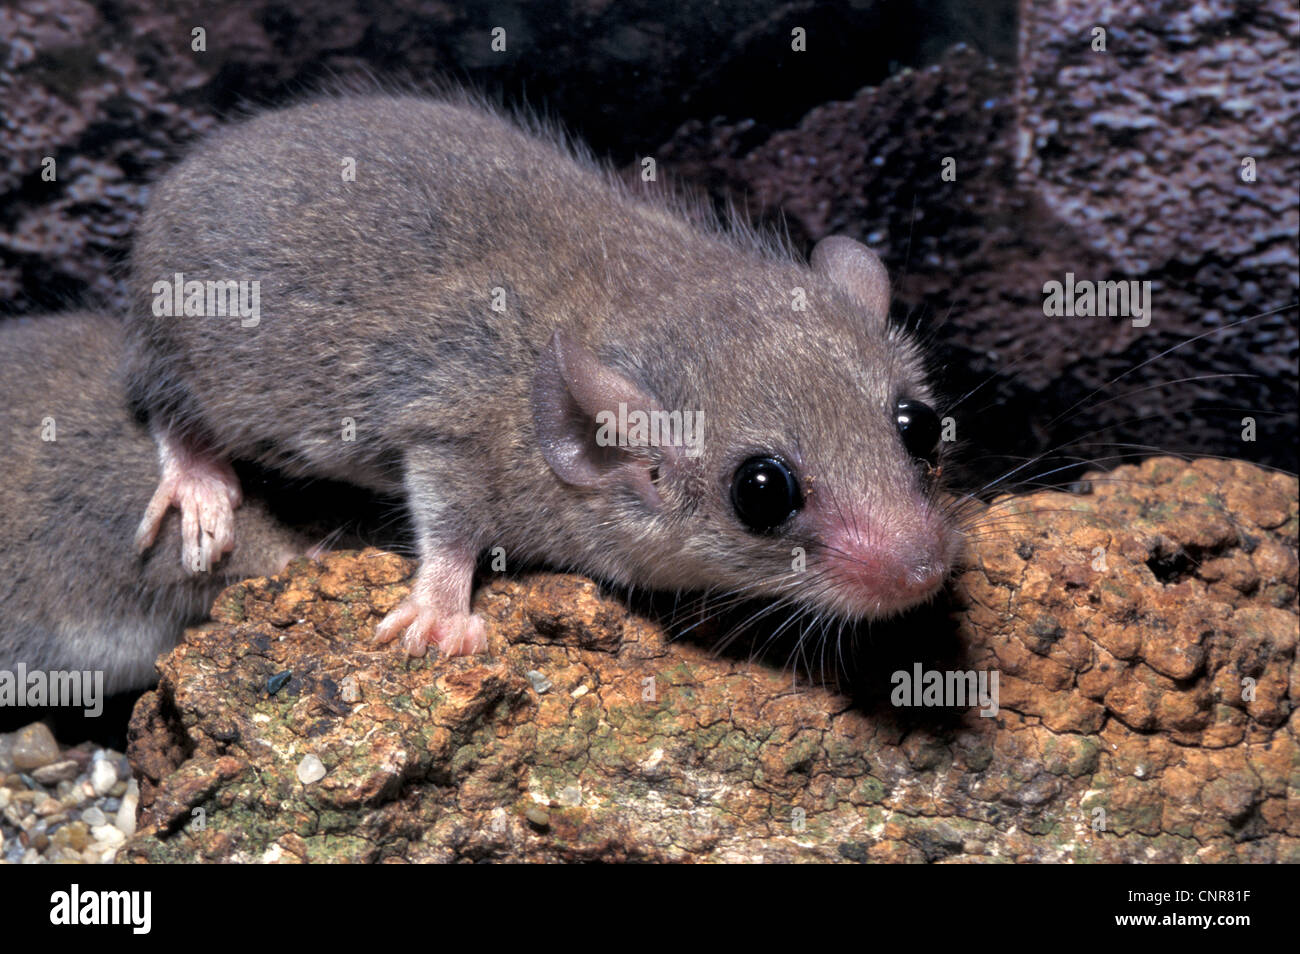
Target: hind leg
{"x": 204, "y": 488}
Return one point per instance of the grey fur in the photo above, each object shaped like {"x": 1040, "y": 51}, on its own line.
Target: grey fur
{"x": 375, "y": 299}
{"x": 74, "y": 594}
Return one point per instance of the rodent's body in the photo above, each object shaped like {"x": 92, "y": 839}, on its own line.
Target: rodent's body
{"x": 376, "y": 300}
{"x": 74, "y": 594}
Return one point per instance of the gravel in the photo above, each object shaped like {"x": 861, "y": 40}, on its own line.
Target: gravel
{"x": 62, "y": 805}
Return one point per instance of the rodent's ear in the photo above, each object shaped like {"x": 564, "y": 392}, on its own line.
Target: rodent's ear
{"x": 858, "y": 271}
{"x": 575, "y": 398}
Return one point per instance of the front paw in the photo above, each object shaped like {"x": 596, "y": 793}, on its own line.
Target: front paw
{"x": 420, "y": 624}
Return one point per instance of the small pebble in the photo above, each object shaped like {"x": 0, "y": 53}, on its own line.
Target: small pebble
{"x": 538, "y": 680}
{"x": 55, "y": 772}
{"x": 74, "y": 836}
{"x": 109, "y": 835}
{"x": 350, "y": 689}
{"x": 94, "y": 816}
{"x": 34, "y": 746}
{"x": 6, "y": 753}
{"x": 310, "y": 769}
{"x": 103, "y": 776}
{"x": 278, "y": 682}
{"x": 80, "y": 755}
{"x": 125, "y": 819}
{"x": 538, "y": 816}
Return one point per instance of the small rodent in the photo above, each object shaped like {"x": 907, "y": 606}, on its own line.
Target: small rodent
{"x": 450, "y": 307}
{"x": 77, "y": 470}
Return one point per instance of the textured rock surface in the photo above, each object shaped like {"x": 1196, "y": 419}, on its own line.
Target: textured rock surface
{"x": 1124, "y": 624}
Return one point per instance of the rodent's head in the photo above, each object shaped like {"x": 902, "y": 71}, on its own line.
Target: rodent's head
{"x": 813, "y": 478}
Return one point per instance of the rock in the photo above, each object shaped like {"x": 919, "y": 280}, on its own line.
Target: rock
{"x": 310, "y": 770}
{"x": 538, "y": 681}
{"x": 1081, "y": 604}
{"x": 125, "y": 817}
{"x": 33, "y": 746}
{"x": 6, "y": 753}
{"x": 103, "y": 776}
{"x": 349, "y": 690}
{"x": 55, "y": 772}
{"x": 94, "y": 817}
{"x": 74, "y": 836}
{"x": 108, "y": 837}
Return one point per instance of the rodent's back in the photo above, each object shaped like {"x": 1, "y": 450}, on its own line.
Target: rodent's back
{"x": 369, "y": 287}
{"x": 74, "y": 594}
{"x": 376, "y": 292}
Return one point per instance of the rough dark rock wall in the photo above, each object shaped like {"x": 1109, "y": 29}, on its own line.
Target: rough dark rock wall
{"x": 1116, "y": 165}
{"x": 1113, "y": 166}
{"x": 112, "y": 89}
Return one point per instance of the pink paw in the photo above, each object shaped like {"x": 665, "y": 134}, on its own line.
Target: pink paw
{"x": 206, "y": 491}
{"x": 419, "y": 624}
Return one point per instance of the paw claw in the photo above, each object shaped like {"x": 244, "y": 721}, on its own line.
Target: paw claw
{"x": 420, "y": 625}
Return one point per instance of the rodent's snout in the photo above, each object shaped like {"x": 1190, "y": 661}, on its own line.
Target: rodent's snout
{"x": 887, "y": 562}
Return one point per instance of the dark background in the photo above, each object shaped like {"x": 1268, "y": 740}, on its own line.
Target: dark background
{"x": 1117, "y": 165}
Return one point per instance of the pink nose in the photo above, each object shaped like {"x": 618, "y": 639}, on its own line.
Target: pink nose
{"x": 886, "y": 573}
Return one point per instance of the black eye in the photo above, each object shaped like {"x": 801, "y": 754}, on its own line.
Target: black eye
{"x": 919, "y": 427}
{"x": 764, "y": 493}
